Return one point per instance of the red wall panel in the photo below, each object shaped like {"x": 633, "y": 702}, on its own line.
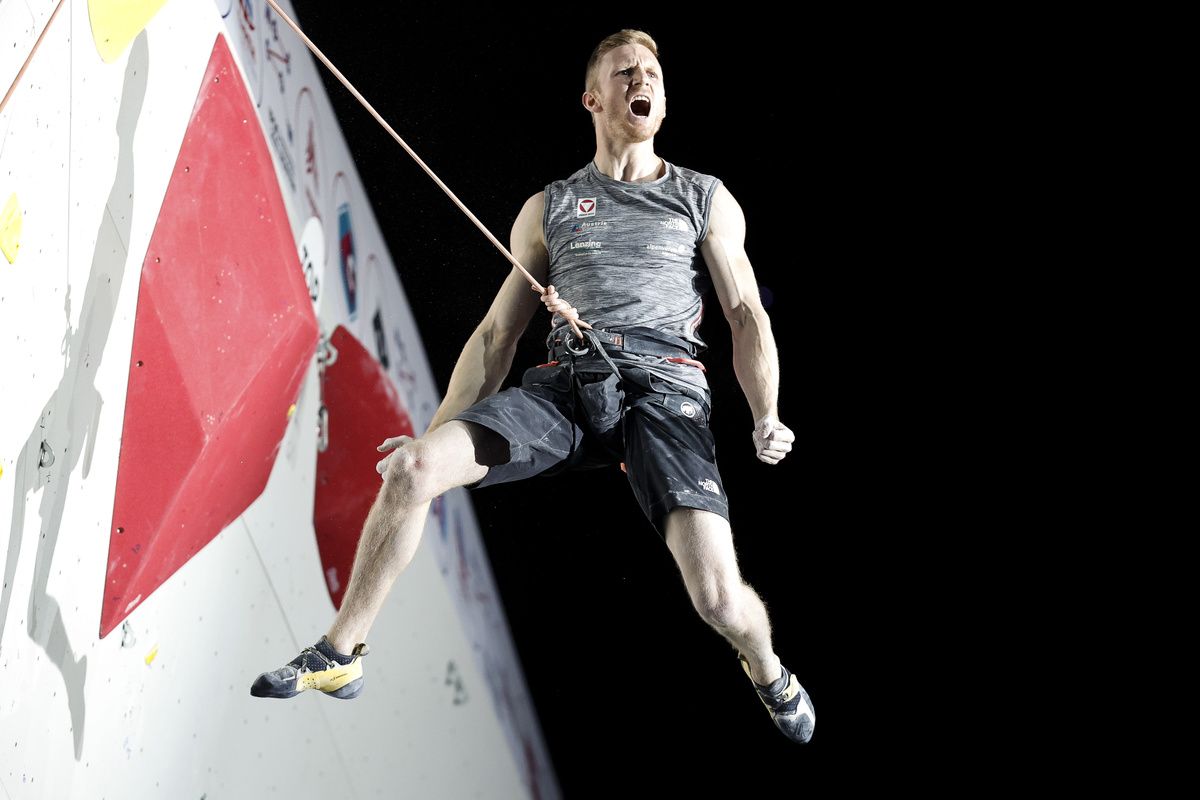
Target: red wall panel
{"x": 364, "y": 409}
{"x": 223, "y": 336}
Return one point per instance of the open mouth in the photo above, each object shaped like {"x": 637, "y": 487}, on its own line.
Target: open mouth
{"x": 640, "y": 106}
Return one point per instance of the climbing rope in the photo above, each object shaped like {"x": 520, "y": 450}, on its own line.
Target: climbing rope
{"x": 572, "y": 318}
{"x": 29, "y": 58}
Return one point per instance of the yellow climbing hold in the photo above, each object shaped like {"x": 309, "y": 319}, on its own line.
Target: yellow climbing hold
{"x": 10, "y": 229}
{"x": 291, "y": 410}
{"x": 116, "y": 23}
{"x": 153, "y": 652}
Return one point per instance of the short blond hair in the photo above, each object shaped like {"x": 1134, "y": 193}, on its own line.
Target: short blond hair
{"x": 618, "y": 39}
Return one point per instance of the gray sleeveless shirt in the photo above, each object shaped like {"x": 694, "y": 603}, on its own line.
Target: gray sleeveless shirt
{"x": 628, "y": 254}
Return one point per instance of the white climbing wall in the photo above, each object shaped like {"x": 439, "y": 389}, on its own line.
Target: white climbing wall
{"x": 161, "y": 706}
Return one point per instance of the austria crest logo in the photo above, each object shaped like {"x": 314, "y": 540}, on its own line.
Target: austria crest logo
{"x": 586, "y": 207}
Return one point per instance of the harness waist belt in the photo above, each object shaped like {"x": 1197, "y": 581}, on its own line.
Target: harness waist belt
{"x": 618, "y": 340}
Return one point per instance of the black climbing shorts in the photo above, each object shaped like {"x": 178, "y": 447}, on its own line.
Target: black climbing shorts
{"x": 561, "y": 419}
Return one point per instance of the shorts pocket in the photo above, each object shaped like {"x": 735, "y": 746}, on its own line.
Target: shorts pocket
{"x": 602, "y": 402}
{"x": 557, "y": 376}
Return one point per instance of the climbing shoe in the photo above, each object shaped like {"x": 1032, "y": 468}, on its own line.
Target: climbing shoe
{"x": 788, "y": 703}
{"x": 317, "y": 667}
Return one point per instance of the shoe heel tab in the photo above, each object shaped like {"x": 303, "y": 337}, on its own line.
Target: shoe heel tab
{"x": 361, "y": 649}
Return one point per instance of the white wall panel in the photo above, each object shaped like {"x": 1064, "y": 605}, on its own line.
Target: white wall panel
{"x": 161, "y": 707}
{"x": 34, "y": 150}
{"x": 41, "y": 668}
{"x": 21, "y": 22}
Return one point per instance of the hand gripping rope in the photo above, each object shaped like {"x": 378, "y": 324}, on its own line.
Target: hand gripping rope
{"x": 572, "y": 319}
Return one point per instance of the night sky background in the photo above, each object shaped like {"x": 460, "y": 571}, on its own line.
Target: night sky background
{"x": 632, "y": 689}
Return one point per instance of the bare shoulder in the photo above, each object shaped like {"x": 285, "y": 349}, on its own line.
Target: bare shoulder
{"x": 528, "y": 241}
{"x": 725, "y": 218}
{"x": 529, "y": 221}
{"x": 535, "y": 203}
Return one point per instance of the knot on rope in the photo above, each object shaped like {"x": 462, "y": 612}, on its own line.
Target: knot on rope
{"x": 556, "y": 305}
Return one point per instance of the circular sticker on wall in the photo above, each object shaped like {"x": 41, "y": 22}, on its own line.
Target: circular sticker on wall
{"x": 347, "y": 258}
{"x": 312, "y": 260}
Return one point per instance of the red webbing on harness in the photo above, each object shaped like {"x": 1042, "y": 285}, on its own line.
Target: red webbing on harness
{"x": 690, "y": 362}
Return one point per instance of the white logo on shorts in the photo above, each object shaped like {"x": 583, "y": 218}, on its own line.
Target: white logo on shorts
{"x": 709, "y": 485}
{"x": 688, "y": 409}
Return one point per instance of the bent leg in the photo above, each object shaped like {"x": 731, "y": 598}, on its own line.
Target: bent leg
{"x": 456, "y": 454}
{"x": 702, "y": 544}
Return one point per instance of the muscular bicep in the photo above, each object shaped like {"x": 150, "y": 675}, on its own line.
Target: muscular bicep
{"x": 724, "y": 250}
{"x": 528, "y": 242}
{"x": 516, "y": 302}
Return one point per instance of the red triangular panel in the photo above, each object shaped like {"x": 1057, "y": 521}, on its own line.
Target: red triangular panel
{"x": 223, "y": 336}
{"x": 364, "y": 409}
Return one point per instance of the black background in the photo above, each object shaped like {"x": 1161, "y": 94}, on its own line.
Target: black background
{"x": 798, "y": 114}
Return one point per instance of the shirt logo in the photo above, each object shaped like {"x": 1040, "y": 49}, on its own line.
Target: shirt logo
{"x": 673, "y": 224}
{"x": 709, "y": 485}
{"x": 586, "y": 207}
{"x": 590, "y": 246}
{"x": 678, "y": 249}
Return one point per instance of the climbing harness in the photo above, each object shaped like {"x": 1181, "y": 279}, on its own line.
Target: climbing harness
{"x": 642, "y": 341}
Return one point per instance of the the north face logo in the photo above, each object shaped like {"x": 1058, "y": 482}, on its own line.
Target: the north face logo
{"x": 709, "y": 485}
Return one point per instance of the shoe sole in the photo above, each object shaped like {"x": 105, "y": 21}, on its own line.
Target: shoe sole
{"x": 344, "y": 684}
{"x": 347, "y": 692}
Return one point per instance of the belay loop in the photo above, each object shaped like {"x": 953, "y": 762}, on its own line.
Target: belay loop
{"x": 569, "y": 340}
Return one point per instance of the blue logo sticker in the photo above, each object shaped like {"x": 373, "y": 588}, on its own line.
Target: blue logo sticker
{"x": 346, "y": 250}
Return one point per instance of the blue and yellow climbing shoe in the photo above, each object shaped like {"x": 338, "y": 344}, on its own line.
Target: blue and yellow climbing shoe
{"x": 317, "y": 667}
{"x": 788, "y": 703}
